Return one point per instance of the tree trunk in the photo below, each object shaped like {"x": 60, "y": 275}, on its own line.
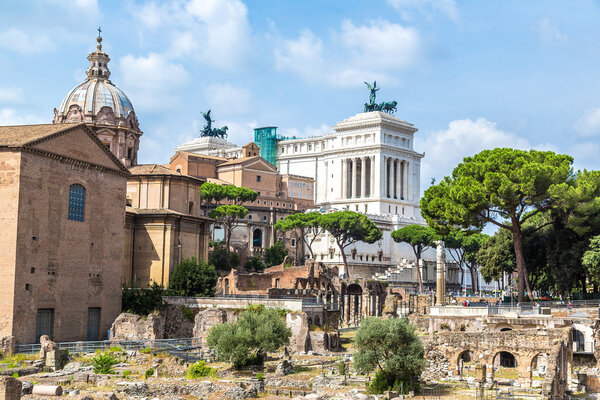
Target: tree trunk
{"x": 523, "y": 283}
{"x": 228, "y": 237}
{"x": 474, "y": 282}
{"x": 345, "y": 262}
{"x": 419, "y": 278}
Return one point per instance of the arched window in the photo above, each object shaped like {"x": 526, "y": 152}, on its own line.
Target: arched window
{"x": 76, "y": 202}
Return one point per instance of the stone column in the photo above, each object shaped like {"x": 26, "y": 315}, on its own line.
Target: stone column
{"x": 372, "y": 178}
{"x": 351, "y": 174}
{"x": 440, "y": 273}
{"x": 360, "y": 310}
{"x": 347, "y": 308}
{"x": 406, "y": 169}
{"x": 357, "y": 181}
{"x": 395, "y": 178}
{"x": 399, "y": 184}
{"x": 380, "y": 175}
{"x": 390, "y": 173}
{"x": 377, "y": 305}
{"x": 363, "y": 177}
{"x": 343, "y": 175}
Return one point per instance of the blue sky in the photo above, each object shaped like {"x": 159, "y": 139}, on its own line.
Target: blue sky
{"x": 469, "y": 74}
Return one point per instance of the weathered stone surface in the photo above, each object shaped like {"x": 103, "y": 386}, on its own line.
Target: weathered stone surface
{"x": 133, "y": 327}
{"x": 47, "y": 390}
{"x": 205, "y": 319}
{"x": 46, "y": 346}
{"x": 7, "y": 345}
{"x": 285, "y": 367}
{"x": 133, "y": 388}
{"x": 56, "y": 359}
{"x": 10, "y": 388}
{"x": 26, "y": 387}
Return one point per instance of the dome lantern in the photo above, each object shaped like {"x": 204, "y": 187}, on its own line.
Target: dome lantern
{"x": 102, "y": 105}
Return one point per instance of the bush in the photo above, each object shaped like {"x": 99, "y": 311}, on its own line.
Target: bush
{"x": 199, "y": 370}
{"x": 275, "y": 254}
{"x": 149, "y": 373}
{"x": 222, "y": 259}
{"x": 143, "y": 301}
{"x": 103, "y": 363}
{"x": 115, "y": 349}
{"x": 392, "y": 347}
{"x": 260, "y": 376}
{"x": 146, "y": 350}
{"x": 247, "y": 340}
{"x": 188, "y": 313}
{"x": 254, "y": 264}
{"x": 126, "y": 374}
{"x": 342, "y": 368}
{"x": 193, "y": 278}
{"x": 445, "y": 327}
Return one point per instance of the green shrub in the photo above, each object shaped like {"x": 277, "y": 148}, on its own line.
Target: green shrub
{"x": 115, "y": 349}
{"x": 188, "y": 313}
{"x": 445, "y": 327}
{"x": 126, "y": 374}
{"x": 260, "y": 376}
{"x": 15, "y": 375}
{"x": 254, "y": 264}
{"x": 193, "y": 278}
{"x": 221, "y": 258}
{"x": 275, "y": 254}
{"x": 143, "y": 301}
{"x": 199, "y": 370}
{"x": 342, "y": 368}
{"x": 103, "y": 363}
{"x": 146, "y": 350}
{"x": 246, "y": 341}
{"x": 149, "y": 372}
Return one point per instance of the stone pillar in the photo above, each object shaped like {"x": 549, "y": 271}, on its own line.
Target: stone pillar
{"x": 389, "y": 177}
{"x": 363, "y": 177}
{"x": 395, "y": 178}
{"x": 399, "y": 180}
{"x": 10, "y": 388}
{"x": 357, "y": 182}
{"x": 372, "y": 191}
{"x": 347, "y": 308}
{"x": 440, "y": 273}
{"x": 360, "y": 310}
{"x": 343, "y": 175}
{"x": 351, "y": 174}
{"x": 380, "y": 175}
{"x": 406, "y": 188}
{"x": 371, "y": 305}
{"x": 377, "y": 305}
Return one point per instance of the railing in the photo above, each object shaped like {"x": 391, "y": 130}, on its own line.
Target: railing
{"x": 167, "y": 345}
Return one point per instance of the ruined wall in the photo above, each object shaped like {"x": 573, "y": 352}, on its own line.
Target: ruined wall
{"x": 133, "y": 327}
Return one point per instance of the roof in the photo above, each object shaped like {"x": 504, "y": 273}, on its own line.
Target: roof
{"x": 249, "y": 145}
{"x": 161, "y": 211}
{"x": 219, "y": 181}
{"x": 157, "y": 169}
{"x": 197, "y": 155}
{"x": 240, "y": 160}
{"x": 21, "y": 135}
{"x": 30, "y": 135}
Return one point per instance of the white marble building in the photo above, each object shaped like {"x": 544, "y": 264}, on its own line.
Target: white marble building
{"x": 368, "y": 164}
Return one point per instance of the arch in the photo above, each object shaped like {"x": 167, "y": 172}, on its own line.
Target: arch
{"x": 583, "y": 338}
{"x": 503, "y": 327}
{"x": 463, "y": 358}
{"x": 538, "y": 367}
{"x": 317, "y": 320}
{"x": 257, "y": 238}
{"x": 354, "y": 289}
{"x": 578, "y": 341}
{"x": 505, "y": 359}
{"x": 506, "y": 329}
{"x": 76, "y": 202}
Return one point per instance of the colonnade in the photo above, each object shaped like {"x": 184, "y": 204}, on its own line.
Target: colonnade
{"x": 359, "y": 180}
{"x": 357, "y": 306}
{"x": 395, "y": 178}
{"x": 358, "y": 177}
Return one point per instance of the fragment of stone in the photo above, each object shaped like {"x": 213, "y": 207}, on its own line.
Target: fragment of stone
{"x": 47, "y": 390}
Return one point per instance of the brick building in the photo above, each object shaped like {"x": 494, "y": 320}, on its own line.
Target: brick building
{"x": 61, "y": 243}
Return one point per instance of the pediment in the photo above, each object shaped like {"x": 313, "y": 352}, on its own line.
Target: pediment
{"x": 262, "y": 165}
{"x": 79, "y": 144}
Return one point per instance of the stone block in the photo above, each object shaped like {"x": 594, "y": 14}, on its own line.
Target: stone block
{"x": 7, "y": 345}
{"x": 10, "y": 388}
{"x": 56, "y": 359}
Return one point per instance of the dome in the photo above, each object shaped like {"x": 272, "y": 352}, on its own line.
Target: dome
{"x": 95, "y": 93}
{"x": 97, "y": 100}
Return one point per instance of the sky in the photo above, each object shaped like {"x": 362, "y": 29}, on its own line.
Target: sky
{"x": 469, "y": 75}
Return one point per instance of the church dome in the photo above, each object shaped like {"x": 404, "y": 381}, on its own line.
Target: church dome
{"x": 97, "y": 100}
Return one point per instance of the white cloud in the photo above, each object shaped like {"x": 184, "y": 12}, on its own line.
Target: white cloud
{"x": 10, "y": 116}
{"x": 216, "y": 32}
{"x": 153, "y": 81}
{"x": 354, "y": 53}
{"x": 445, "y": 149}
{"x": 408, "y": 8}
{"x": 548, "y": 32}
{"x": 228, "y": 98}
{"x": 11, "y": 95}
{"x": 589, "y": 123}
{"x": 26, "y": 43}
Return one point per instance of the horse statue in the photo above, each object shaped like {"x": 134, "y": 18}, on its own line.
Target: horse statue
{"x": 388, "y": 106}
{"x": 220, "y": 133}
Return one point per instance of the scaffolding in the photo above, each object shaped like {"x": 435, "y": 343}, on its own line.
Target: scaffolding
{"x": 266, "y": 139}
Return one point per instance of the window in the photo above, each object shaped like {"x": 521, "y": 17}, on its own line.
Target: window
{"x": 76, "y": 202}
{"x": 264, "y": 202}
{"x": 300, "y": 185}
{"x": 292, "y": 184}
{"x": 292, "y": 193}
{"x": 249, "y": 217}
{"x": 293, "y": 242}
{"x": 257, "y": 178}
{"x": 271, "y": 203}
{"x": 190, "y": 207}
{"x": 264, "y": 218}
{"x": 277, "y": 204}
{"x": 308, "y": 186}
{"x": 295, "y": 149}
{"x": 308, "y": 195}
{"x": 310, "y": 147}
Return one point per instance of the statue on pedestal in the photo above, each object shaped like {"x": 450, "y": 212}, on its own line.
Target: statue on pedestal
{"x": 208, "y": 130}
{"x": 388, "y": 107}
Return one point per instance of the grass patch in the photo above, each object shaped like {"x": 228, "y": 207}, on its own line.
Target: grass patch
{"x": 199, "y": 370}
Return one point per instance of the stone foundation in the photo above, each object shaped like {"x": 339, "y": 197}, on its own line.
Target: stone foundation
{"x": 10, "y": 388}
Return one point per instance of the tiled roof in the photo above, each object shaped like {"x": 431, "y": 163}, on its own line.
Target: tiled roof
{"x": 190, "y": 154}
{"x": 153, "y": 169}
{"x": 239, "y": 161}
{"x": 20, "y": 135}
{"x": 160, "y": 211}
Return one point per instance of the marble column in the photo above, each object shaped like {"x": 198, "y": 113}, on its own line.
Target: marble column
{"x": 406, "y": 179}
{"x": 357, "y": 176}
{"x": 390, "y": 173}
{"x": 363, "y": 177}
{"x": 372, "y": 192}
{"x": 399, "y": 184}
{"x": 395, "y": 178}
{"x": 377, "y": 305}
{"x": 351, "y": 173}
{"x": 343, "y": 178}
{"x": 440, "y": 273}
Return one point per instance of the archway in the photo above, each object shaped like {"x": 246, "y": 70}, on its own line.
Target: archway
{"x": 505, "y": 329}
{"x": 218, "y": 234}
{"x": 257, "y": 238}
{"x": 505, "y": 366}
{"x": 578, "y": 341}
{"x": 539, "y": 367}
{"x": 464, "y": 363}
{"x": 354, "y": 303}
